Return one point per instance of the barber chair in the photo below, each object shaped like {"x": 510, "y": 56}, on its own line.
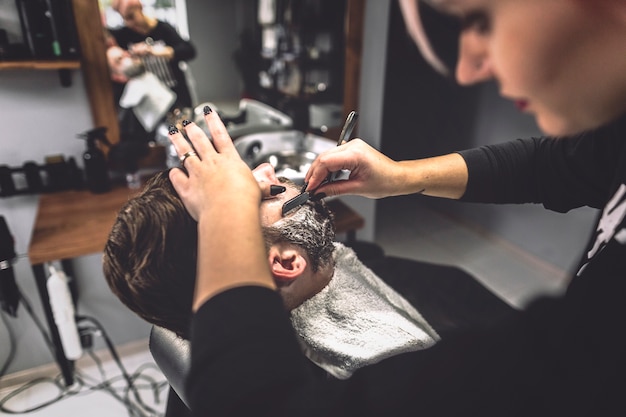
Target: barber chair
{"x": 450, "y": 300}
{"x": 172, "y": 354}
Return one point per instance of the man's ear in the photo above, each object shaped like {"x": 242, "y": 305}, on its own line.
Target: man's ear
{"x": 286, "y": 263}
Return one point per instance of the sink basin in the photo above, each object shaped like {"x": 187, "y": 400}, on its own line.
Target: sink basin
{"x": 289, "y": 152}
{"x": 251, "y": 117}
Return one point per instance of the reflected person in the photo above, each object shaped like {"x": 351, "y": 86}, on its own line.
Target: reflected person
{"x": 159, "y": 46}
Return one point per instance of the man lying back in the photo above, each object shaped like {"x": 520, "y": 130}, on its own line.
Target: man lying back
{"x": 150, "y": 258}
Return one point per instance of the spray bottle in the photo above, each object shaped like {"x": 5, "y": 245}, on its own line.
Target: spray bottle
{"x": 63, "y": 313}
{"x": 96, "y": 171}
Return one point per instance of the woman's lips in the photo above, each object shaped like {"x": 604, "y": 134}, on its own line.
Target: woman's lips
{"x": 521, "y": 105}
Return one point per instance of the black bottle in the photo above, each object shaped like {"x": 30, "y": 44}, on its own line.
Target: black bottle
{"x": 96, "y": 171}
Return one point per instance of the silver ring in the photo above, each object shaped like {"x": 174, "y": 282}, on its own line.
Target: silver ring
{"x": 187, "y": 155}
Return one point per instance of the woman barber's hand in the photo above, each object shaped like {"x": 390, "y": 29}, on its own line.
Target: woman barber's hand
{"x": 144, "y": 49}
{"x": 372, "y": 174}
{"x": 217, "y": 179}
{"x": 139, "y": 49}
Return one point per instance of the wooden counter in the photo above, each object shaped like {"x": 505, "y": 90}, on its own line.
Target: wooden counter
{"x": 70, "y": 224}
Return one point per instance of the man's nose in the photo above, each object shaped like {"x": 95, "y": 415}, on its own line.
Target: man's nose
{"x": 266, "y": 172}
{"x": 474, "y": 63}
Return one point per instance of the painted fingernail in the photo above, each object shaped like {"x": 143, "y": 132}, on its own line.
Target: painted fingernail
{"x": 207, "y": 110}
{"x": 277, "y": 189}
{"x": 186, "y": 122}
{"x": 173, "y": 130}
{"x": 303, "y": 189}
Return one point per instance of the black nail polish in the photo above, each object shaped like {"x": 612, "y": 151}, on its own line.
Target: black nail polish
{"x": 186, "y": 122}
{"x": 207, "y": 110}
{"x": 173, "y": 130}
{"x": 277, "y": 189}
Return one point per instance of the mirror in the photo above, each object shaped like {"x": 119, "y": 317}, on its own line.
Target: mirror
{"x": 224, "y": 33}
{"x": 146, "y": 49}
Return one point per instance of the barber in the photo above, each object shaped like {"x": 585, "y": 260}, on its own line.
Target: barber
{"x": 562, "y": 61}
{"x": 158, "y": 45}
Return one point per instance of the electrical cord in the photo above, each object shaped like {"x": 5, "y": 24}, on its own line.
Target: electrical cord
{"x": 85, "y": 384}
{"x": 37, "y": 322}
{"x": 129, "y": 380}
{"x": 108, "y": 386}
{"x": 12, "y": 345}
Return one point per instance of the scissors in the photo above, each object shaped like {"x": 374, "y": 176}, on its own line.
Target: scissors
{"x": 304, "y": 196}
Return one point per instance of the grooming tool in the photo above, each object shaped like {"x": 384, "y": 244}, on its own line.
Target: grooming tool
{"x": 348, "y": 127}
{"x": 297, "y": 201}
{"x": 304, "y": 196}
{"x": 344, "y": 136}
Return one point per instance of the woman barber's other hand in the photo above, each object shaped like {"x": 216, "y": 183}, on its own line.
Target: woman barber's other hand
{"x": 217, "y": 179}
{"x": 375, "y": 175}
{"x": 220, "y": 192}
{"x": 139, "y": 49}
{"x": 372, "y": 174}
{"x": 144, "y": 49}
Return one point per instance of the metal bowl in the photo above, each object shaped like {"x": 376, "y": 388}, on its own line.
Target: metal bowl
{"x": 290, "y": 152}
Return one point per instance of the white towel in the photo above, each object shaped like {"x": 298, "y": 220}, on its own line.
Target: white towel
{"x": 149, "y": 98}
{"x": 357, "y": 320}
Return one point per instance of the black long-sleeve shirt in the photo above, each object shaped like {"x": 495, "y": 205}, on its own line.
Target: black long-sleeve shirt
{"x": 562, "y": 356}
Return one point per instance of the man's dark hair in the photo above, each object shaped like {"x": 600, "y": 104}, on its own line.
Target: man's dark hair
{"x": 150, "y": 257}
{"x": 149, "y": 260}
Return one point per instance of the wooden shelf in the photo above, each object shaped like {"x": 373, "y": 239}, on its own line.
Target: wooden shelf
{"x": 40, "y": 65}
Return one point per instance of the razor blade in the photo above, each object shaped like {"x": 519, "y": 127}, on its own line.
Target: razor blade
{"x": 297, "y": 201}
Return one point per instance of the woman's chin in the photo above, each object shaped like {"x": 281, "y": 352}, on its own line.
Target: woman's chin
{"x": 566, "y": 125}
{"x": 552, "y": 125}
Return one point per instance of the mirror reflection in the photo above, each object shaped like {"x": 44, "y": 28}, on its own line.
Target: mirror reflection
{"x": 264, "y": 65}
{"x": 147, "y": 58}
